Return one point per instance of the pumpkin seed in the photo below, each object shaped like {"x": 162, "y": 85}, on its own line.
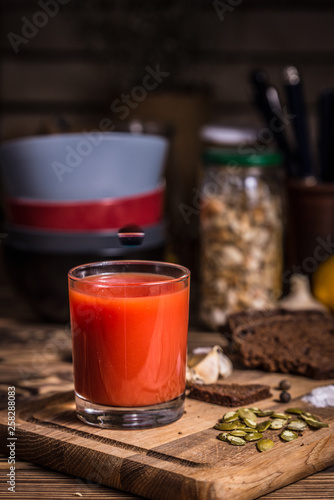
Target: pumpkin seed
{"x": 277, "y": 423}
{"x": 282, "y": 416}
{"x": 243, "y": 426}
{"x": 246, "y": 413}
{"x": 236, "y": 441}
{"x": 250, "y": 423}
{"x": 253, "y": 436}
{"x": 265, "y": 444}
{"x": 240, "y": 425}
{"x": 296, "y": 425}
{"x": 307, "y": 414}
{"x": 238, "y": 433}
{"x": 254, "y": 410}
{"x": 288, "y": 435}
{"x": 226, "y": 426}
{"x": 223, "y": 436}
{"x": 317, "y": 424}
{"x": 296, "y": 411}
{"x": 263, "y": 426}
{"x": 265, "y": 413}
{"x": 230, "y": 416}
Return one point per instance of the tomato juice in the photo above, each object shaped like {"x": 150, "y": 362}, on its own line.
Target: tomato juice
{"x": 129, "y": 333}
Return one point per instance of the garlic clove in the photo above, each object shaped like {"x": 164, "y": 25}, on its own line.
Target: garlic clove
{"x": 300, "y": 296}
{"x": 225, "y": 364}
{"x": 209, "y": 367}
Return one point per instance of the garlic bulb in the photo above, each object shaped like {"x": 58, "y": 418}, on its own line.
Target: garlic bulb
{"x": 206, "y": 367}
{"x": 300, "y": 296}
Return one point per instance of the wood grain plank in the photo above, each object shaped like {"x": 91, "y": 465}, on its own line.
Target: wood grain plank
{"x": 54, "y": 81}
{"x": 183, "y": 460}
{"x": 93, "y": 82}
{"x": 44, "y": 484}
{"x": 36, "y": 482}
{"x": 47, "y": 37}
{"x": 263, "y": 32}
{"x": 239, "y": 26}
{"x": 202, "y": 4}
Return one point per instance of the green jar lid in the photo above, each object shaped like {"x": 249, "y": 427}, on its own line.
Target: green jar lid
{"x": 217, "y": 156}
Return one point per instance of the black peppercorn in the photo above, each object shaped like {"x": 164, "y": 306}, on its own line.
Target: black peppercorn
{"x": 284, "y": 385}
{"x": 285, "y": 397}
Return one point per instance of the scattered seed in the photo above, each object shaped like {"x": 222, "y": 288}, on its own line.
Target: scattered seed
{"x": 265, "y": 413}
{"x": 240, "y": 425}
{"x": 263, "y": 426}
{"x": 223, "y": 436}
{"x": 307, "y": 414}
{"x": 236, "y": 441}
{"x": 296, "y": 411}
{"x": 238, "y": 433}
{"x": 265, "y": 444}
{"x": 276, "y": 424}
{"x": 226, "y": 426}
{"x": 250, "y": 423}
{"x": 317, "y": 424}
{"x": 230, "y": 416}
{"x": 253, "y": 436}
{"x": 246, "y": 413}
{"x": 287, "y": 435}
{"x": 281, "y": 416}
{"x": 255, "y": 410}
{"x": 296, "y": 425}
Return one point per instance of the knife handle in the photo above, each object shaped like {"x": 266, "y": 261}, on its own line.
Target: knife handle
{"x": 296, "y": 106}
{"x": 267, "y": 100}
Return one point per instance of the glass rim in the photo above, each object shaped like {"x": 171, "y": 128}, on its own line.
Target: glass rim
{"x": 185, "y": 272}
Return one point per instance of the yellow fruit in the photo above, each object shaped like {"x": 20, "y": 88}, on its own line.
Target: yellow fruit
{"x": 323, "y": 283}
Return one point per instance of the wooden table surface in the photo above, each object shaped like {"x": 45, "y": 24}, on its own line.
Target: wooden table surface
{"x": 36, "y": 359}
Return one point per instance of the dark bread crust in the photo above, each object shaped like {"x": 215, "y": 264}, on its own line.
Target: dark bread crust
{"x": 255, "y": 316}
{"x": 229, "y": 394}
{"x": 300, "y": 342}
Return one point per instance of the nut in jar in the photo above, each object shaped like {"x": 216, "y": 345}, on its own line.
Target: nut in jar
{"x": 241, "y": 231}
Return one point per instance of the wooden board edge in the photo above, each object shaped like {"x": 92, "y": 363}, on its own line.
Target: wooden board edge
{"x": 65, "y": 457}
{"x": 143, "y": 476}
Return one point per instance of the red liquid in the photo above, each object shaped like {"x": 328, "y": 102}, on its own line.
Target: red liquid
{"x": 130, "y": 340}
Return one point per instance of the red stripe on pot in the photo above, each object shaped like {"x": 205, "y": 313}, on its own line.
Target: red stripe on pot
{"x": 104, "y": 214}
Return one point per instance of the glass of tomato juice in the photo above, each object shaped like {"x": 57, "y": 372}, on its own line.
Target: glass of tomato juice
{"x": 129, "y": 323}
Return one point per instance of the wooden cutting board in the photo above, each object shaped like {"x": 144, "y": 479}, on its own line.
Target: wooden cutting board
{"x": 183, "y": 460}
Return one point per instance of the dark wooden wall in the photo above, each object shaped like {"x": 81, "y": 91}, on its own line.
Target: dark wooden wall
{"x": 84, "y": 56}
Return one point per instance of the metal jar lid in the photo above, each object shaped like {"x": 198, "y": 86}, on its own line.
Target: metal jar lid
{"x": 228, "y": 136}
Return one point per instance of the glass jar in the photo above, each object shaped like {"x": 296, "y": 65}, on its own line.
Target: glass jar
{"x": 241, "y": 233}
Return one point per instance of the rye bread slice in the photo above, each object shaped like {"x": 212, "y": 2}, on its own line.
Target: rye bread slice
{"x": 229, "y": 394}
{"x": 300, "y": 342}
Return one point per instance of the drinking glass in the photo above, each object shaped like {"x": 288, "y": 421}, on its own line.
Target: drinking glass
{"x": 129, "y": 324}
